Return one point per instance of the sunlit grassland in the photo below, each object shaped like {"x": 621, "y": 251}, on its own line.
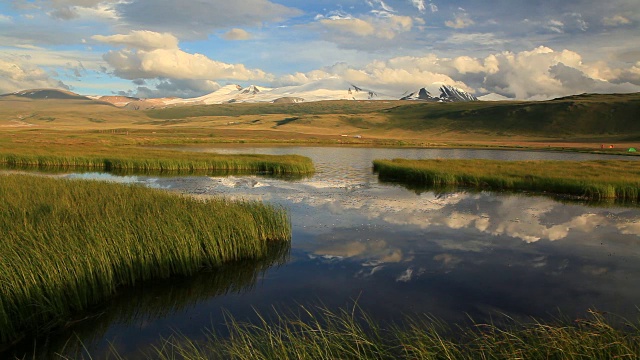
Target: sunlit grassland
{"x": 594, "y": 180}
{"x": 352, "y": 334}
{"x": 69, "y": 244}
{"x": 177, "y": 162}
{"x": 584, "y": 121}
{"x": 333, "y": 107}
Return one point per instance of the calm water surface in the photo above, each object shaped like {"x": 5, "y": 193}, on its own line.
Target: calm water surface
{"x": 395, "y": 252}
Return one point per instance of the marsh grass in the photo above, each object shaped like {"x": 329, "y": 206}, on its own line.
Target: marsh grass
{"x": 592, "y": 180}
{"x": 352, "y": 334}
{"x": 180, "y": 163}
{"x": 62, "y": 170}
{"x": 136, "y": 305}
{"x": 69, "y": 244}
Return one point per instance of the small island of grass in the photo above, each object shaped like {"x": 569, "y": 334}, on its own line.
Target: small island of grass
{"x": 165, "y": 162}
{"x": 68, "y": 245}
{"x": 592, "y": 180}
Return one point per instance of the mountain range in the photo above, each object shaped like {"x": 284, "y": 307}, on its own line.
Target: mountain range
{"x": 319, "y": 90}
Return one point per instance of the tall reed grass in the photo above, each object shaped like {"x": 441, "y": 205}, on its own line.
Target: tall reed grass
{"x": 352, "y": 334}
{"x": 272, "y": 164}
{"x": 593, "y": 180}
{"x": 157, "y": 299}
{"x": 69, "y": 244}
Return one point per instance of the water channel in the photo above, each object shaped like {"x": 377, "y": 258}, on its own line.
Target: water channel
{"x": 396, "y": 252}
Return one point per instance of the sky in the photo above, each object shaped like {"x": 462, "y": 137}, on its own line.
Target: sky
{"x": 519, "y": 49}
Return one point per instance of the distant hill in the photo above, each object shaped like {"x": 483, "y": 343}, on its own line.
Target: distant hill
{"x": 586, "y": 114}
{"x": 42, "y": 94}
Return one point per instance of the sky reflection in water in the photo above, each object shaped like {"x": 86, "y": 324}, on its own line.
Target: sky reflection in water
{"x": 447, "y": 254}
{"x": 397, "y": 252}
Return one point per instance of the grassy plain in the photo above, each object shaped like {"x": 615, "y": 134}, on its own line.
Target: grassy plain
{"x": 579, "y": 122}
{"x": 593, "y": 180}
{"x": 68, "y": 244}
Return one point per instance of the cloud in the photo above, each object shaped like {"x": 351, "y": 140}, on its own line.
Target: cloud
{"x": 175, "y": 64}
{"x": 70, "y": 9}
{"x": 353, "y": 26}
{"x": 544, "y": 73}
{"x": 392, "y": 77}
{"x": 460, "y": 21}
{"x": 196, "y": 19}
{"x": 555, "y": 26}
{"x": 419, "y": 4}
{"x": 65, "y": 13}
{"x": 386, "y": 9}
{"x": 466, "y": 64}
{"x": 236, "y": 34}
{"x": 150, "y": 55}
{"x": 19, "y": 73}
{"x": 386, "y": 27}
{"x": 146, "y": 40}
{"x": 616, "y": 20}
{"x": 538, "y": 74}
{"x": 5, "y": 19}
{"x": 173, "y": 88}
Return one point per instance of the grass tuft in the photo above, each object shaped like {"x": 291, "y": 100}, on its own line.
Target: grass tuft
{"x": 69, "y": 244}
{"x": 352, "y": 334}
{"x": 593, "y": 180}
{"x": 168, "y": 163}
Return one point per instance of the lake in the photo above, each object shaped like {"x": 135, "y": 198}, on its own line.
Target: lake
{"x": 394, "y": 252}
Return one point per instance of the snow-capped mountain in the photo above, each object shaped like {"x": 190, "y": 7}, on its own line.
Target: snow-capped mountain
{"x": 325, "y": 89}
{"x": 447, "y": 94}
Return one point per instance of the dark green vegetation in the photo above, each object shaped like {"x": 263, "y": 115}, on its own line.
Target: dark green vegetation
{"x": 305, "y": 108}
{"x": 168, "y": 162}
{"x": 351, "y": 334}
{"x": 594, "y": 180}
{"x": 580, "y": 115}
{"x": 68, "y": 245}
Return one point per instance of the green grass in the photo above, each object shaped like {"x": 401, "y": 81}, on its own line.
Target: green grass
{"x": 593, "y": 180}
{"x": 68, "y": 245}
{"x": 581, "y": 115}
{"x": 167, "y": 162}
{"x": 352, "y": 334}
{"x": 305, "y": 108}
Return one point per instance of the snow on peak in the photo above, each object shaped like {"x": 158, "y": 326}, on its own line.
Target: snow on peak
{"x": 448, "y": 93}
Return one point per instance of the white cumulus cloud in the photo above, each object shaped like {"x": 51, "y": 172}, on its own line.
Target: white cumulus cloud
{"x": 538, "y": 74}
{"x": 19, "y": 73}
{"x": 150, "y": 55}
